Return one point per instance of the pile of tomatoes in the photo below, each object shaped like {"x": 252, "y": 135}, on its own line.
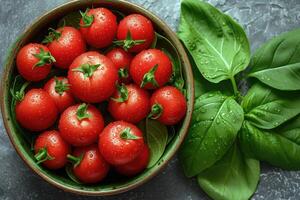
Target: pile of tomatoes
{"x": 130, "y": 77}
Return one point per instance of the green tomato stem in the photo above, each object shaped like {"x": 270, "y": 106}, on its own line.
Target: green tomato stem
{"x": 75, "y": 160}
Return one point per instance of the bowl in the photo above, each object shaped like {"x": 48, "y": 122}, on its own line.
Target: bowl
{"x": 19, "y": 139}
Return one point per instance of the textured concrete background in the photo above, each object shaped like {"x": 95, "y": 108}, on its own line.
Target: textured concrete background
{"x": 262, "y": 19}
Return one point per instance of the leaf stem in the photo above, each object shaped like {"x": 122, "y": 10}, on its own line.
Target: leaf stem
{"x": 234, "y": 85}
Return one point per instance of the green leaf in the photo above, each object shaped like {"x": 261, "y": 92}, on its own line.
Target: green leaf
{"x": 203, "y": 86}
{"x": 269, "y": 146}
{"x": 168, "y": 48}
{"x": 291, "y": 130}
{"x": 277, "y": 63}
{"x": 217, "y": 43}
{"x": 71, "y": 19}
{"x": 215, "y": 122}
{"x": 268, "y": 108}
{"x": 156, "y": 137}
{"x": 233, "y": 177}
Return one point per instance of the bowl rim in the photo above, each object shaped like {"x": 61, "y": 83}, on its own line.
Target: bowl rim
{"x": 183, "y": 130}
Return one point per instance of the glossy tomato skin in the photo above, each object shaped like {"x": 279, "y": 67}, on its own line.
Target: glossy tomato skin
{"x": 143, "y": 62}
{"x": 140, "y": 28}
{"x": 26, "y": 63}
{"x": 137, "y": 165}
{"x": 56, "y": 147}
{"x": 101, "y": 85}
{"x": 92, "y": 168}
{"x": 134, "y": 109}
{"x": 103, "y": 29}
{"x": 116, "y": 150}
{"x": 37, "y": 111}
{"x": 121, "y": 59}
{"x": 80, "y": 132}
{"x": 67, "y": 47}
{"x": 63, "y": 100}
{"x": 173, "y": 104}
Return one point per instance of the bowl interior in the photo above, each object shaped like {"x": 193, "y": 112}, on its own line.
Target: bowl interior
{"x": 22, "y": 140}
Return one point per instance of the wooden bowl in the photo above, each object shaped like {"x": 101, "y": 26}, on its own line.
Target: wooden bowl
{"x": 18, "y": 139}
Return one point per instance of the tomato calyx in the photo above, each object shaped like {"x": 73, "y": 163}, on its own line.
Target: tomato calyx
{"x": 19, "y": 95}
{"x": 128, "y": 42}
{"x": 81, "y": 112}
{"x": 75, "y": 160}
{"x": 127, "y": 135}
{"x": 156, "y": 111}
{"x": 122, "y": 89}
{"x": 53, "y": 35}
{"x": 60, "y": 86}
{"x": 87, "y": 20}
{"x": 86, "y": 69}
{"x": 42, "y": 155}
{"x": 44, "y": 58}
{"x": 149, "y": 77}
{"x": 123, "y": 73}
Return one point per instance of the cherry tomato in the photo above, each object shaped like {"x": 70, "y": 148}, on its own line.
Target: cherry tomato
{"x": 81, "y": 124}
{"x": 92, "y": 77}
{"x": 151, "y": 69}
{"x": 34, "y": 62}
{"x": 135, "y": 33}
{"x": 36, "y": 111}
{"x": 122, "y": 60}
{"x": 98, "y": 27}
{"x": 137, "y": 165}
{"x": 51, "y": 150}
{"x": 168, "y": 105}
{"x": 120, "y": 142}
{"x": 65, "y": 44}
{"x": 130, "y": 103}
{"x": 90, "y": 167}
{"x": 59, "y": 90}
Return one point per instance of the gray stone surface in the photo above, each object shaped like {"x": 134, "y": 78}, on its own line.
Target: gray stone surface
{"x": 262, "y": 19}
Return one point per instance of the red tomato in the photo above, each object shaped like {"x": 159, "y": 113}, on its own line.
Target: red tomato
{"x": 36, "y": 111}
{"x": 135, "y": 33}
{"x": 34, "y": 62}
{"x": 122, "y": 60}
{"x": 130, "y": 103}
{"x": 92, "y": 168}
{"x": 81, "y": 124}
{"x": 98, "y": 27}
{"x": 59, "y": 90}
{"x": 151, "y": 69}
{"x": 65, "y": 44}
{"x": 51, "y": 150}
{"x": 92, "y": 77}
{"x": 137, "y": 165}
{"x": 120, "y": 142}
{"x": 168, "y": 105}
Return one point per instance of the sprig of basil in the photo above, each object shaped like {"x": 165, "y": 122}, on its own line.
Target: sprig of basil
{"x": 267, "y": 108}
{"x": 277, "y": 63}
{"x": 215, "y": 122}
{"x": 235, "y": 176}
{"x": 216, "y": 42}
{"x": 270, "y": 146}
{"x": 156, "y": 135}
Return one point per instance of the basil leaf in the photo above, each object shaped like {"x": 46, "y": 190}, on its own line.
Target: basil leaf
{"x": 168, "y": 48}
{"x": 277, "y": 63}
{"x": 217, "y": 43}
{"x": 203, "y": 86}
{"x": 233, "y": 177}
{"x": 156, "y": 137}
{"x": 215, "y": 122}
{"x": 270, "y": 146}
{"x": 71, "y": 19}
{"x": 291, "y": 130}
{"x": 267, "y": 108}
